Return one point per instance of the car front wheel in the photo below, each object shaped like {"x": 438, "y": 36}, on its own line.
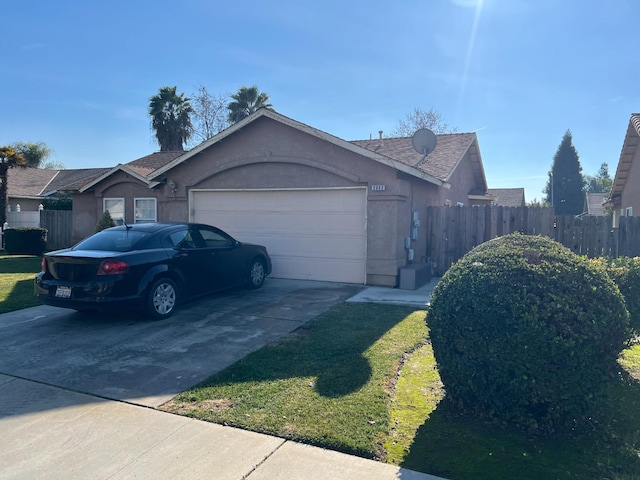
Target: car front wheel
{"x": 257, "y": 273}
{"x": 162, "y": 298}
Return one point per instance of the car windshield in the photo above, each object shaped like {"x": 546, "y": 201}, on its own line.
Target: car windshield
{"x": 109, "y": 240}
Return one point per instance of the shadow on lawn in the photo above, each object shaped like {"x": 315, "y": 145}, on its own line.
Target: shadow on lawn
{"x": 330, "y": 350}
{"x": 463, "y": 448}
{"x": 21, "y": 296}
{"x": 20, "y": 264}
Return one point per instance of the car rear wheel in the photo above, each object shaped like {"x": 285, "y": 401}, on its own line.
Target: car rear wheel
{"x": 162, "y": 298}
{"x": 257, "y": 273}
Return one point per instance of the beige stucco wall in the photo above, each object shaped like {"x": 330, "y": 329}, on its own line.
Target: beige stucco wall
{"x": 267, "y": 154}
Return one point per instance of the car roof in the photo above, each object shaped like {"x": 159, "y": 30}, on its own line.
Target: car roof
{"x": 152, "y": 227}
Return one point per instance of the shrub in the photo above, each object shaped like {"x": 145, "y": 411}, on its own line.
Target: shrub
{"x": 25, "y": 240}
{"x": 105, "y": 222}
{"x": 57, "y": 204}
{"x": 625, "y": 272}
{"x": 525, "y": 333}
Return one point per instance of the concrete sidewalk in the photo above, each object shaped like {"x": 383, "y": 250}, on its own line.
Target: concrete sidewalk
{"x": 419, "y": 298}
{"x": 78, "y": 436}
{"x": 51, "y": 432}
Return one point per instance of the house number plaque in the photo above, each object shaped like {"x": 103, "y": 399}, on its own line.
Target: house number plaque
{"x": 378, "y": 188}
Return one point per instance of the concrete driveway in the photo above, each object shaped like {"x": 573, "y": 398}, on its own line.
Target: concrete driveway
{"x": 130, "y": 358}
{"x": 60, "y": 372}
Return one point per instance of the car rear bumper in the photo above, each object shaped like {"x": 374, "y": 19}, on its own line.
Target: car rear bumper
{"x": 93, "y": 296}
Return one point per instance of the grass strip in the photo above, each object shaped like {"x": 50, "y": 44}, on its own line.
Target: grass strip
{"x": 328, "y": 383}
{"x": 17, "y": 273}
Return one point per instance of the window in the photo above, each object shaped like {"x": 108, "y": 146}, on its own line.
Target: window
{"x": 214, "y": 239}
{"x": 629, "y": 212}
{"x": 145, "y": 210}
{"x": 182, "y": 239}
{"x": 115, "y": 206}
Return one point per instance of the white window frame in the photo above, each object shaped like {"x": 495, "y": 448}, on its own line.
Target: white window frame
{"x": 118, "y": 220}
{"x": 137, "y": 219}
{"x": 628, "y": 212}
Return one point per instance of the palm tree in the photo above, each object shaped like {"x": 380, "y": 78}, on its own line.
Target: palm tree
{"x": 34, "y": 153}
{"x": 9, "y": 158}
{"x": 170, "y": 118}
{"x": 245, "y": 102}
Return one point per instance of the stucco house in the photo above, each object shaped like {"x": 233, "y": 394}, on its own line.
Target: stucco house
{"x": 625, "y": 192}
{"x": 326, "y": 208}
{"x": 28, "y": 187}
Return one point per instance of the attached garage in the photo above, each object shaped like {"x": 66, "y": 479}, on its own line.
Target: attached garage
{"x": 311, "y": 234}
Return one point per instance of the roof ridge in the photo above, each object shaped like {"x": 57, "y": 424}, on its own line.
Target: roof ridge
{"x": 44, "y": 188}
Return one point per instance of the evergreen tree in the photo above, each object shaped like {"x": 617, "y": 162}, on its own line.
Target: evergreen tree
{"x": 565, "y": 187}
{"x": 105, "y": 222}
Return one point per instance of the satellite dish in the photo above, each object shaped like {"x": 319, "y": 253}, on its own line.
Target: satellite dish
{"x": 424, "y": 141}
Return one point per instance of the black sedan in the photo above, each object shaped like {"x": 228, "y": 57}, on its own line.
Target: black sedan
{"x": 152, "y": 266}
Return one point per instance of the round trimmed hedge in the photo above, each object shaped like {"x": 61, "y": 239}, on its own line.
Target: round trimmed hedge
{"x": 625, "y": 272}
{"x": 525, "y": 333}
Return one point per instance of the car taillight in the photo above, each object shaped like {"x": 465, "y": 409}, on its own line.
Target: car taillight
{"x": 113, "y": 267}
{"x": 43, "y": 265}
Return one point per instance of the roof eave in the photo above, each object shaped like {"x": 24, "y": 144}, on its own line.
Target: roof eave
{"x": 119, "y": 167}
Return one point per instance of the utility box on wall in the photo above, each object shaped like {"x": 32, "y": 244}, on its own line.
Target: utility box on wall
{"x": 415, "y": 275}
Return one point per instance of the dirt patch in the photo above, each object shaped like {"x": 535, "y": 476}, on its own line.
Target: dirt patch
{"x": 185, "y": 408}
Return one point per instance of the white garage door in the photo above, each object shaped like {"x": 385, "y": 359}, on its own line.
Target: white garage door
{"x": 310, "y": 234}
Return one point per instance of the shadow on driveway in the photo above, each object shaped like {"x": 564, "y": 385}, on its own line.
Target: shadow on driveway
{"x": 129, "y": 358}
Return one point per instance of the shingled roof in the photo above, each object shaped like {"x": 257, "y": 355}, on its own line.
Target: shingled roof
{"x": 508, "y": 197}
{"x": 440, "y": 163}
{"x": 594, "y": 204}
{"x": 38, "y": 182}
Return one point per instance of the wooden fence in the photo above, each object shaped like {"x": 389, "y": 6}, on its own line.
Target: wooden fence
{"x": 59, "y": 228}
{"x": 453, "y": 231}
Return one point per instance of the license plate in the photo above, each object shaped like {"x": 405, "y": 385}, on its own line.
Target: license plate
{"x": 63, "y": 292}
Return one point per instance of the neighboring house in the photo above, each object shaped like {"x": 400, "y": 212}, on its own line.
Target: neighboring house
{"x": 327, "y": 209}
{"x": 594, "y": 204}
{"x": 625, "y": 192}
{"x": 27, "y": 187}
{"x": 508, "y": 197}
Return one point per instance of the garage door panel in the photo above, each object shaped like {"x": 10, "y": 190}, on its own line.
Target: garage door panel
{"x": 310, "y": 234}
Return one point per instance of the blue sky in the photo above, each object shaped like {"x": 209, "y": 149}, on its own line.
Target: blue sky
{"x": 78, "y": 75}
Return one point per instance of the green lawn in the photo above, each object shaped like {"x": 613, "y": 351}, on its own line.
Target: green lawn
{"x": 16, "y": 281}
{"x": 362, "y": 379}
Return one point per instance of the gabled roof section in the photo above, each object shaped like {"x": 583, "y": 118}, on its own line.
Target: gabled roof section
{"x": 350, "y": 146}
{"x": 441, "y": 163}
{"x": 108, "y": 173}
{"x": 508, "y": 197}
{"x": 629, "y": 149}
{"x": 139, "y": 169}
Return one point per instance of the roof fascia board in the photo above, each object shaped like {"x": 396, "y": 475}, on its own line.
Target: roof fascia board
{"x": 49, "y": 182}
{"x": 474, "y": 141}
{"x": 119, "y": 167}
{"x": 626, "y": 151}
